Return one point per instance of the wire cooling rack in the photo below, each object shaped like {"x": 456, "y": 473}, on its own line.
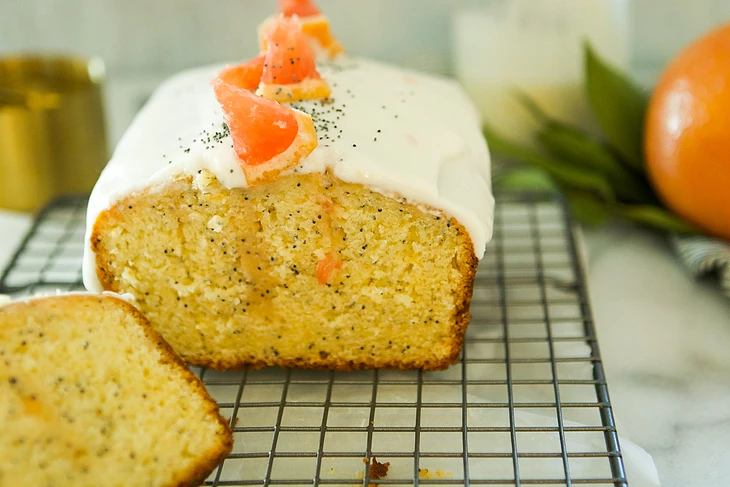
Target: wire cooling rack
{"x": 527, "y": 403}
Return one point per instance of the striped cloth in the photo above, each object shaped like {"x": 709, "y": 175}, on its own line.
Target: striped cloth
{"x": 705, "y": 256}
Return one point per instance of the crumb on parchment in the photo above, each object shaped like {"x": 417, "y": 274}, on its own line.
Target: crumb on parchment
{"x": 378, "y": 470}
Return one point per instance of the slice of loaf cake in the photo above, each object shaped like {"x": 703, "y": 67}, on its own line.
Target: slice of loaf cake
{"x": 90, "y": 395}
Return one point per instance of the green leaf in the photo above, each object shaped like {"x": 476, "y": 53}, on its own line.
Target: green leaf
{"x": 618, "y": 105}
{"x": 527, "y": 179}
{"x": 571, "y": 144}
{"x": 564, "y": 174}
{"x": 586, "y": 208}
{"x": 657, "y": 218}
{"x": 531, "y": 106}
{"x": 575, "y": 147}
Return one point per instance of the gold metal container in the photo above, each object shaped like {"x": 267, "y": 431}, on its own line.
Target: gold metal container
{"x": 52, "y": 134}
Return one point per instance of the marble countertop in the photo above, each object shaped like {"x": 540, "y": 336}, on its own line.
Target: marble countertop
{"x": 665, "y": 341}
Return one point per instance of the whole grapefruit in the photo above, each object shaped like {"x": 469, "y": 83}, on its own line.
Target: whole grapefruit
{"x": 687, "y": 134}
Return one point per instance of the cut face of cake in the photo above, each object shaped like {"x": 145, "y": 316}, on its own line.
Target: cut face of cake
{"x": 90, "y": 395}
{"x": 362, "y": 255}
{"x": 306, "y": 271}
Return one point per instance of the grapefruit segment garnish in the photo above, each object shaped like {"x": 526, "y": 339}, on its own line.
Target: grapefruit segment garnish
{"x": 326, "y": 267}
{"x": 316, "y": 27}
{"x": 290, "y": 72}
{"x": 246, "y": 75}
{"x": 302, "y": 8}
{"x": 268, "y": 137}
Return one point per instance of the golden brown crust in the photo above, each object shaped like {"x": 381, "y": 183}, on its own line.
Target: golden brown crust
{"x": 464, "y": 295}
{"x": 105, "y": 277}
{"x": 466, "y": 262}
{"x": 212, "y": 458}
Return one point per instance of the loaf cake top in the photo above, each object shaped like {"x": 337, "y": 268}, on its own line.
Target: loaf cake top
{"x": 397, "y": 132}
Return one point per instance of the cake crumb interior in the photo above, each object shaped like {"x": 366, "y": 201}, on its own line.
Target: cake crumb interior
{"x": 229, "y": 276}
{"x": 89, "y": 399}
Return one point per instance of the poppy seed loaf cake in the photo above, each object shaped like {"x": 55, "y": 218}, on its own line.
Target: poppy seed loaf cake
{"x": 92, "y": 396}
{"x": 363, "y": 255}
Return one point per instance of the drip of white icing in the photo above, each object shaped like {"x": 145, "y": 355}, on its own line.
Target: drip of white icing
{"x": 397, "y": 132}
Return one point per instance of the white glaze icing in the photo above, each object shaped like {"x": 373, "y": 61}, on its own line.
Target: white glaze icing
{"x": 397, "y": 132}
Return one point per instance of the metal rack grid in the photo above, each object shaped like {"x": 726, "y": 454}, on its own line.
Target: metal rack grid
{"x": 527, "y": 404}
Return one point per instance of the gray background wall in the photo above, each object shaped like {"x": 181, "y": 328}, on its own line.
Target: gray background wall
{"x": 143, "y": 41}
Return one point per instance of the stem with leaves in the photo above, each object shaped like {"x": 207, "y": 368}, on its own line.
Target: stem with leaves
{"x": 601, "y": 179}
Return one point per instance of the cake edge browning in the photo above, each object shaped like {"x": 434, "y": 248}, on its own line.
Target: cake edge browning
{"x": 464, "y": 290}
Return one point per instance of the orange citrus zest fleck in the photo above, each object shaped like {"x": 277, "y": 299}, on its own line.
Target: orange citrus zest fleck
{"x": 326, "y": 267}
